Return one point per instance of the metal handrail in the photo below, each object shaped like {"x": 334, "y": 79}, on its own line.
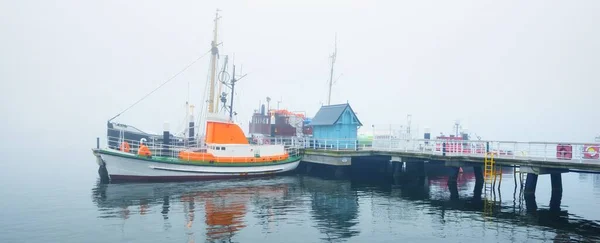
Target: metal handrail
{"x": 170, "y": 150}
{"x": 477, "y": 148}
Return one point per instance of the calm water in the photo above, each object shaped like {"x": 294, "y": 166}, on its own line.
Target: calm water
{"x": 45, "y": 204}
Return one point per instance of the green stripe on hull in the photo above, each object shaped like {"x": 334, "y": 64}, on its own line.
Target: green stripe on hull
{"x": 170, "y": 160}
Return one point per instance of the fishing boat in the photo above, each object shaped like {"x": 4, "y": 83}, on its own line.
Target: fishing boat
{"x": 223, "y": 151}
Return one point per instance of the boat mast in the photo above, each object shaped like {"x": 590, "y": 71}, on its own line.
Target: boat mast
{"x": 231, "y": 85}
{"x": 213, "y": 68}
{"x": 233, "y": 80}
{"x": 333, "y": 56}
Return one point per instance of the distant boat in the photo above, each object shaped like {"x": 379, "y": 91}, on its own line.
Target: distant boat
{"x": 133, "y": 155}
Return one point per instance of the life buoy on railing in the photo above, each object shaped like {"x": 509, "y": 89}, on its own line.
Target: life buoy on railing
{"x": 125, "y": 147}
{"x": 144, "y": 151}
{"x": 591, "y": 151}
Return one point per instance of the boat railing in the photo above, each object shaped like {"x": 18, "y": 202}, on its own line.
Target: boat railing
{"x": 155, "y": 146}
{"x": 160, "y": 149}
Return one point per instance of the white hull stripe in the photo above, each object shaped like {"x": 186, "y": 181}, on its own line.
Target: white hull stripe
{"x": 212, "y": 172}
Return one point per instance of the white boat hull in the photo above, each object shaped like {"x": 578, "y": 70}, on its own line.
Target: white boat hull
{"x": 125, "y": 167}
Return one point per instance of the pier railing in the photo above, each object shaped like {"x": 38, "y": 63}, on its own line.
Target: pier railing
{"x": 476, "y": 148}
{"x": 501, "y": 149}
{"x": 315, "y": 143}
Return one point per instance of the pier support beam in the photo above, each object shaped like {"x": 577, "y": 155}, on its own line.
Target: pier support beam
{"x": 555, "y": 200}
{"x": 556, "y": 197}
{"x": 454, "y": 174}
{"x": 530, "y": 203}
{"x": 478, "y": 171}
{"x": 530, "y": 184}
{"x": 452, "y": 182}
{"x": 556, "y": 180}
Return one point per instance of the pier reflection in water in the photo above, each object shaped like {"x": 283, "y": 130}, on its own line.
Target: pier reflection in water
{"x": 302, "y": 208}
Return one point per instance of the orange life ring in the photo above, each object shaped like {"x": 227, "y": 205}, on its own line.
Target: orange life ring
{"x": 144, "y": 151}
{"x": 125, "y": 147}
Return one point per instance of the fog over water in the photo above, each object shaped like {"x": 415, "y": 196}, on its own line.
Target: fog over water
{"x": 509, "y": 70}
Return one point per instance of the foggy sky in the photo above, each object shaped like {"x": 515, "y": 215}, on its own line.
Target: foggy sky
{"x": 509, "y": 70}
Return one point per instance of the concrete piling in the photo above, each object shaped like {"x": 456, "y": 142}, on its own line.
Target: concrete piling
{"x": 531, "y": 183}
{"x": 556, "y": 180}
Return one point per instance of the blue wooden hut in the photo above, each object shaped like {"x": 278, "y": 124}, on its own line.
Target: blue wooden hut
{"x": 335, "y": 126}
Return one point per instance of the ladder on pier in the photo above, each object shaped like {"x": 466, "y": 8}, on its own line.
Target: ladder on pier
{"x": 491, "y": 174}
{"x": 489, "y": 169}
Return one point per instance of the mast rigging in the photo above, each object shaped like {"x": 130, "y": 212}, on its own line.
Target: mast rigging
{"x": 333, "y": 57}
{"x": 213, "y": 68}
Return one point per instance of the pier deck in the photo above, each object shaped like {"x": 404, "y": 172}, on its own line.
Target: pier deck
{"x": 585, "y": 165}
{"x": 565, "y": 156}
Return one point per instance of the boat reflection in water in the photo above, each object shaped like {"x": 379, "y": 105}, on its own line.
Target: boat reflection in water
{"x": 334, "y": 207}
{"x": 220, "y": 210}
{"x": 317, "y": 209}
{"x": 225, "y": 203}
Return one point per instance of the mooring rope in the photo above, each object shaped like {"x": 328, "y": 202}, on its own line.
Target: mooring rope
{"x": 168, "y": 80}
